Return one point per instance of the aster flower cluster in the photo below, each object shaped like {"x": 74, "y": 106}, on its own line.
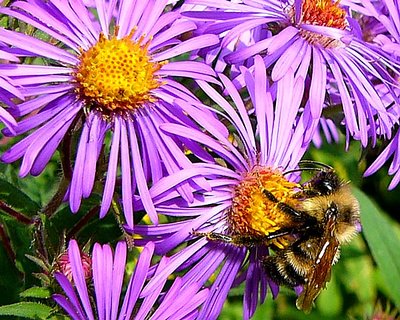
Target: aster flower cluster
{"x": 131, "y": 98}
{"x": 107, "y": 273}
{"x": 188, "y": 122}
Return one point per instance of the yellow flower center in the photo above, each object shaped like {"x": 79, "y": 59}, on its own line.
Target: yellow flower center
{"x": 323, "y": 13}
{"x": 253, "y": 214}
{"x": 117, "y": 75}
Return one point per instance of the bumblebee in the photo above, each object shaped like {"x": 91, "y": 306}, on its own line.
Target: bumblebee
{"x": 320, "y": 216}
{"x": 308, "y": 260}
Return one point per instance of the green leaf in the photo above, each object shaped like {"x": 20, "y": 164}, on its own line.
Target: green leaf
{"x": 10, "y": 279}
{"x": 39, "y": 262}
{"x": 16, "y": 198}
{"x": 384, "y": 243}
{"x": 330, "y": 301}
{"x": 36, "y": 292}
{"x": 30, "y": 310}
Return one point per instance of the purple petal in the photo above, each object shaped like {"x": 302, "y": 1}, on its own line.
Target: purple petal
{"x": 67, "y": 306}
{"x": 99, "y": 279}
{"x": 78, "y": 17}
{"x": 73, "y": 307}
{"x": 129, "y": 15}
{"x": 140, "y": 177}
{"x": 173, "y": 31}
{"x": 188, "y": 45}
{"x": 318, "y": 84}
{"x": 54, "y": 128}
{"x": 36, "y": 46}
{"x": 93, "y": 148}
{"x": 117, "y": 277}
{"x": 221, "y": 286}
{"x": 48, "y": 150}
{"x": 137, "y": 281}
{"x": 151, "y": 298}
{"x": 239, "y": 29}
{"x": 151, "y": 15}
{"x": 70, "y": 40}
{"x": 79, "y": 277}
{"x": 126, "y": 172}
{"x": 108, "y": 192}
{"x": 8, "y": 120}
{"x": 75, "y": 195}
{"x": 287, "y": 60}
{"x": 6, "y": 84}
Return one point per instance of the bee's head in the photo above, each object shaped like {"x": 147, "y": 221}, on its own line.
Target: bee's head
{"x": 325, "y": 182}
{"x": 344, "y": 208}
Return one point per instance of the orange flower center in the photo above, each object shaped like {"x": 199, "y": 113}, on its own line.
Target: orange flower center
{"x": 253, "y": 213}
{"x": 117, "y": 75}
{"x": 323, "y": 13}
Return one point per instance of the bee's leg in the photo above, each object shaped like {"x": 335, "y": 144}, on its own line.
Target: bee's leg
{"x": 214, "y": 236}
{"x": 237, "y": 240}
{"x": 281, "y": 205}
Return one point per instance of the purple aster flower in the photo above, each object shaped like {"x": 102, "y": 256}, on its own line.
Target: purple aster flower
{"x": 256, "y": 153}
{"x": 104, "y": 299}
{"x": 370, "y": 26}
{"x": 383, "y": 19}
{"x": 314, "y": 39}
{"x": 111, "y": 77}
{"x": 378, "y": 21}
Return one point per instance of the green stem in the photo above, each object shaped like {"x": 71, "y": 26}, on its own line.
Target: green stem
{"x": 15, "y": 214}
{"x": 118, "y": 216}
{"x": 57, "y": 199}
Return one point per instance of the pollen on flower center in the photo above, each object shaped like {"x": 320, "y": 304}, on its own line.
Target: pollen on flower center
{"x": 253, "y": 213}
{"x": 323, "y": 13}
{"x": 116, "y": 75}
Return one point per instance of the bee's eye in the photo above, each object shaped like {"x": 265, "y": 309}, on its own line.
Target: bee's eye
{"x": 326, "y": 187}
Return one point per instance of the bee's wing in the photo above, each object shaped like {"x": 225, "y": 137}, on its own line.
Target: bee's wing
{"x": 320, "y": 272}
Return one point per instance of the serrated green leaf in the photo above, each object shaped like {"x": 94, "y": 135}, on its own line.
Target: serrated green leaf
{"x": 45, "y": 279}
{"x": 36, "y": 292}
{"x": 39, "y": 262}
{"x": 383, "y": 242}
{"x": 30, "y": 310}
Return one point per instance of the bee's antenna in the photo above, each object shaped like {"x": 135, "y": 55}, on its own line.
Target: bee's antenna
{"x": 311, "y": 166}
{"x": 303, "y": 169}
{"x": 315, "y": 163}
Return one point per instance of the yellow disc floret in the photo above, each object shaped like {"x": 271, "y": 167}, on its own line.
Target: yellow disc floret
{"x": 116, "y": 75}
{"x": 253, "y": 213}
{"x": 325, "y": 13}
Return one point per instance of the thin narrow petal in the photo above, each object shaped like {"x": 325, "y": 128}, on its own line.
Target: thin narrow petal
{"x": 126, "y": 171}
{"x": 79, "y": 278}
{"x": 140, "y": 178}
{"x": 109, "y": 186}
